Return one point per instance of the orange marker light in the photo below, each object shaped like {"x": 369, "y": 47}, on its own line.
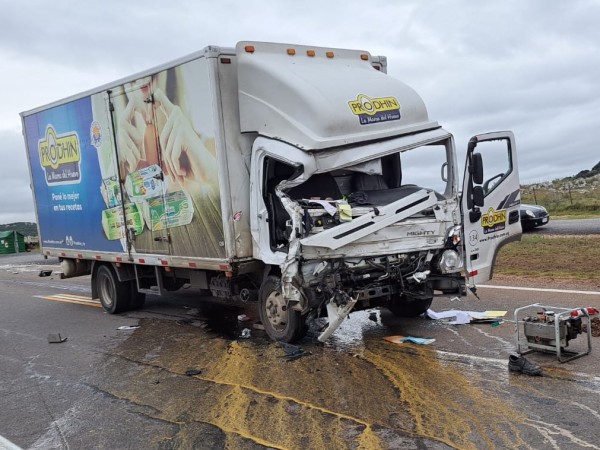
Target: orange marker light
{"x": 364, "y": 57}
{"x": 291, "y": 51}
{"x": 310, "y": 53}
{"x": 329, "y": 54}
{"x": 249, "y": 48}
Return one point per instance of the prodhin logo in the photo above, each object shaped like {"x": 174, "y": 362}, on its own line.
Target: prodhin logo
{"x": 493, "y": 221}
{"x": 60, "y": 155}
{"x": 375, "y": 110}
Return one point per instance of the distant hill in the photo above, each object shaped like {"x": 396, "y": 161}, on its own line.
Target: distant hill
{"x": 589, "y": 173}
{"x": 25, "y": 228}
{"x": 574, "y": 196}
{"x": 585, "y": 179}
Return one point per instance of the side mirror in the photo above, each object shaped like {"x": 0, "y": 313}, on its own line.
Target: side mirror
{"x": 478, "y": 196}
{"x": 476, "y": 168}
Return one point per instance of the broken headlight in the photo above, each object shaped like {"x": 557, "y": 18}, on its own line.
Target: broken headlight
{"x": 454, "y": 236}
{"x": 450, "y": 261}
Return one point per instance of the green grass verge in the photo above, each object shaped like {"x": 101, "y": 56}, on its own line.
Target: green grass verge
{"x": 572, "y": 258}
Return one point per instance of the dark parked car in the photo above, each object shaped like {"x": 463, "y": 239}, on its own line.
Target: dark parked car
{"x": 533, "y": 216}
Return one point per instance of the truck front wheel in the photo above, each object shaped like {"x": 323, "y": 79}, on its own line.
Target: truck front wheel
{"x": 281, "y": 322}
{"x": 114, "y": 295}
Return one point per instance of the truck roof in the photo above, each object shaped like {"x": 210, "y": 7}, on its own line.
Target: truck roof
{"x": 207, "y": 51}
{"x": 318, "y": 98}
{"x": 311, "y": 97}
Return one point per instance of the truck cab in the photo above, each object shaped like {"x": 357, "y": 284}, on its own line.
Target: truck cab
{"x": 355, "y": 194}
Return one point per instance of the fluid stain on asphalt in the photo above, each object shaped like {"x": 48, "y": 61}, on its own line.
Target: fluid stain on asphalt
{"x": 379, "y": 395}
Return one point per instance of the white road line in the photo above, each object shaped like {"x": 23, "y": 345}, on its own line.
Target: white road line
{"x": 561, "y": 291}
{"x": 5, "y": 444}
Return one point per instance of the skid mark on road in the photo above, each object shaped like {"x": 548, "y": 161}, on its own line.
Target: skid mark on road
{"x": 71, "y": 298}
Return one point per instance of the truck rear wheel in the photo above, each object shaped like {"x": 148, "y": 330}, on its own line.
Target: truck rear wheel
{"x": 114, "y": 295}
{"x": 281, "y": 323}
{"x": 410, "y": 307}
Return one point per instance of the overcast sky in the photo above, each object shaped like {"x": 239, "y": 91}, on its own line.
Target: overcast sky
{"x": 532, "y": 67}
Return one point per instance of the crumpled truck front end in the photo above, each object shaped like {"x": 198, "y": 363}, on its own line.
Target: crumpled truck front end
{"x": 353, "y": 235}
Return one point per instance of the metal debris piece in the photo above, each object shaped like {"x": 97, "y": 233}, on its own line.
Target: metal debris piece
{"x": 245, "y": 334}
{"x": 292, "y": 352}
{"x": 56, "y": 338}
{"x": 128, "y": 327}
{"x": 45, "y": 273}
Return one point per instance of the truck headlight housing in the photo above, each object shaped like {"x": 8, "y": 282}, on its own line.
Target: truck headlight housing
{"x": 451, "y": 261}
{"x": 454, "y": 236}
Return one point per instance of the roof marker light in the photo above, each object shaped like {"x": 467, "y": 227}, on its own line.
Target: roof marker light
{"x": 329, "y": 54}
{"x": 249, "y": 48}
{"x": 364, "y": 57}
{"x": 291, "y": 51}
{"x": 310, "y": 53}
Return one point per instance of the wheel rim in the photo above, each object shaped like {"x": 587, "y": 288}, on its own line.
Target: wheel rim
{"x": 276, "y": 311}
{"x": 107, "y": 290}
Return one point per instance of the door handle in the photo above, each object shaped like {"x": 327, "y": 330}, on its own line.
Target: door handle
{"x": 513, "y": 217}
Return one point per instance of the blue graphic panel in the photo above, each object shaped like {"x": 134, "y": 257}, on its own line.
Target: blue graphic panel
{"x": 66, "y": 178}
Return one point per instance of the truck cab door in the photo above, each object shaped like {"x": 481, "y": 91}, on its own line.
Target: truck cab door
{"x": 490, "y": 202}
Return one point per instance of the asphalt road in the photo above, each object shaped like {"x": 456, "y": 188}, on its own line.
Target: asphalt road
{"x": 572, "y": 226}
{"x": 110, "y": 388}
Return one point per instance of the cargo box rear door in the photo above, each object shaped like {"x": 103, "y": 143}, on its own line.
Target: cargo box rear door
{"x": 136, "y": 123}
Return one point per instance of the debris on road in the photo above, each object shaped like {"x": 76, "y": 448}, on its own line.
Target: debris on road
{"x": 245, "y": 334}
{"x": 192, "y": 372}
{"x": 292, "y": 352}
{"x": 128, "y": 327}
{"x": 465, "y": 317}
{"x": 45, "y": 273}
{"x": 56, "y": 338}
{"x": 243, "y": 318}
{"x": 409, "y": 339}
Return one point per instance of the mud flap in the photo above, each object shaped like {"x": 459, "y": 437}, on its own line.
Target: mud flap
{"x": 336, "y": 315}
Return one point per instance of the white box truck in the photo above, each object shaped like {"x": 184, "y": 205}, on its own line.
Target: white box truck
{"x": 304, "y": 178}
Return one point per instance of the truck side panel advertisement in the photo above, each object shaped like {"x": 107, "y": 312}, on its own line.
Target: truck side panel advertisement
{"x": 66, "y": 178}
{"x": 158, "y": 193}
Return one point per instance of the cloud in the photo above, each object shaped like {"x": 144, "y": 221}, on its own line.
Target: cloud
{"x": 531, "y": 67}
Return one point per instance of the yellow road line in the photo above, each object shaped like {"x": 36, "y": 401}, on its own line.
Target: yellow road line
{"x": 76, "y": 297}
{"x": 68, "y": 298}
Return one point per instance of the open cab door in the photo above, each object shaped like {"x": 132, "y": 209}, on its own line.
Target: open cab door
{"x": 490, "y": 202}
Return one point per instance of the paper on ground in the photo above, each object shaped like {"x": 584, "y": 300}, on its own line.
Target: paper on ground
{"x": 462, "y": 317}
{"x": 411, "y": 339}
{"x": 495, "y": 313}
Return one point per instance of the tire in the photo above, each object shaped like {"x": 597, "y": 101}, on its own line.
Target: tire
{"x": 410, "y": 308}
{"x": 114, "y": 295}
{"x": 281, "y": 324}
